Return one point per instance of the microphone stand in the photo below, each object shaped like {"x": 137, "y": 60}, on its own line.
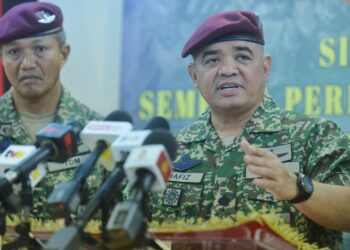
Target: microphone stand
{"x": 25, "y": 238}
{"x": 127, "y": 226}
{"x": 70, "y": 237}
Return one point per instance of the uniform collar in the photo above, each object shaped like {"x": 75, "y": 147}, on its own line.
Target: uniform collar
{"x": 265, "y": 119}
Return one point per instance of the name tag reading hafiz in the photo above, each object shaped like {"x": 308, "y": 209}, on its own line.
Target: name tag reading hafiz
{"x": 186, "y": 177}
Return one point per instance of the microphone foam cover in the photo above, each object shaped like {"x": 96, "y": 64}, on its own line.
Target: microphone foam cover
{"x": 158, "y": 122}
{"x": 164, "y": 137}
{"x": 119, "y": 116}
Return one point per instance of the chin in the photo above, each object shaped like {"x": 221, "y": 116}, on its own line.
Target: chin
{"x": 31, "y": 94}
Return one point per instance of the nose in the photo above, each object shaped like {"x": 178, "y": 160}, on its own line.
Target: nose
{"x": 28, "y": 61}
{"x": 228, "y": 67}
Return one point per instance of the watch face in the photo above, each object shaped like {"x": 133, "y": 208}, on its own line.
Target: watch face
{"x": 307, "y": 184}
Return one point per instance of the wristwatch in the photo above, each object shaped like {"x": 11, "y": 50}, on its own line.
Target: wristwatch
{"x": 305, "y": 188}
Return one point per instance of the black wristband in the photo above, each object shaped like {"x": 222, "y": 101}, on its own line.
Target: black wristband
{"x": 305, "y": 188}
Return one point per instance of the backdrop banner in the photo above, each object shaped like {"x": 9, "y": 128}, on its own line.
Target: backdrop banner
{"x": 309, "y": 42}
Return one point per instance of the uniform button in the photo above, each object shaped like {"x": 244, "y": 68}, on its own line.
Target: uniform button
{"x": 224, "y": 200}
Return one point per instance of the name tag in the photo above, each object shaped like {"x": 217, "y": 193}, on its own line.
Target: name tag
{"x": 283, "y": 152}
{"x": 293, "y": 166}
{"x": 70, "y": 163}
{"x": 186, "y": 177}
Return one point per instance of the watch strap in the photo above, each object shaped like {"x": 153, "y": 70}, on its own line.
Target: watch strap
{"x": 304, "y": 192}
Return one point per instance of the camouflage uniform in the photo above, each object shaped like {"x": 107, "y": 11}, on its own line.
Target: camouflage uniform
{"x": 210, "y": 179}
{"x": 13, "y": 131}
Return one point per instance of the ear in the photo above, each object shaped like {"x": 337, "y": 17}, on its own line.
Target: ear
{"x": 65, "y": 51}
{"x": 191, "y": 68}
{"x": 267, "y": 67}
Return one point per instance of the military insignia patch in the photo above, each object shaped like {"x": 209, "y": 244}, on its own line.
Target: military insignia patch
{"x": 4, "y": 143}
{"x": 5, "y": 129}
{"x": 283, "y": 152}
{"x": 185, "y": 163}
{"x": 45, "y": 17}
{"x": 172, "y": 197}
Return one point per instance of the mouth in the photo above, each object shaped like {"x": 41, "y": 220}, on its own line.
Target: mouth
{"x": 229, "y": 86}
{"x": 26, "y": 78}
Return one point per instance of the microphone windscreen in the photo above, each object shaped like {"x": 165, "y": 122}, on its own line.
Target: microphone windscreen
{"x": 164, "y": 137}
{"x": 119, "y": 116}
{"x": 158, "y": 122}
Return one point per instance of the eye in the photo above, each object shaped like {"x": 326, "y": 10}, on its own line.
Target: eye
{"x": 40, "y": 49}
{"x": 211, "y": 61}
{"x": 13, "y": 52}
{"x": 243, "y": 58}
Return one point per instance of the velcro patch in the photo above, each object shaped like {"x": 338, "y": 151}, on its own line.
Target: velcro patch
{"x": 172, "y": 197}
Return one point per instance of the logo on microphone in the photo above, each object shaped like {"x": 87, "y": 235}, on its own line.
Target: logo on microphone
{"x": 164, "y": 166}
{"x": 104, "y": 127}
{"x": 15, "y": 154}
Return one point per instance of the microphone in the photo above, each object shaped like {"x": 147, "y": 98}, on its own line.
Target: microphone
{"x": 66, "y": 197}
{"x": 15, "y": 154}
{"x": 115, "y": 124}
{"x": 55, "y": 142}
{"x": 148, "y": 168}
{"x": 126, "y": 142}
{"x": 152, "y": 161}
{"x": 158, "y": 122}
{"x": 70, "y": 237}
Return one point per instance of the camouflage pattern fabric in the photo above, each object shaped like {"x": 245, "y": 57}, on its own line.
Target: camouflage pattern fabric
{"x": 210, "y": 179}
{"x": 13, "y": 131}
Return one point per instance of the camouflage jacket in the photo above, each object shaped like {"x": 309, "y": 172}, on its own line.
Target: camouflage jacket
{"x": 13, "y": 131}
{"x": 210, "y": 179}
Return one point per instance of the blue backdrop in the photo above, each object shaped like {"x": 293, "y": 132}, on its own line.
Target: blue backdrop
{"x": 308, "y": 40}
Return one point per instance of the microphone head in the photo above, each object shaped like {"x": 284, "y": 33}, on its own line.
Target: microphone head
{"x": 119, "y": 116}
{"x": 158, "y": 122}
{"x": 164, "y": 137}
{"x": 76, "y": 126}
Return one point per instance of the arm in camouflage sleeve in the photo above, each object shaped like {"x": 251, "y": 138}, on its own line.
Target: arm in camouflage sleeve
{"x": 328, "y": 204}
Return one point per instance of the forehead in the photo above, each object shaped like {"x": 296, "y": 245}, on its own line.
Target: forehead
{"x": 230, "y": 46}
{"x": 31, "y": 40}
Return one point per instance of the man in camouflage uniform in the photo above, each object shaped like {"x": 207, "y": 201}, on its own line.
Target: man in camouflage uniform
{"x": 303, "y": 162}
{"x": 33, "y": 52}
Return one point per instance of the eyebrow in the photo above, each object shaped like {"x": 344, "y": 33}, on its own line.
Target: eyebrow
{"x": 209, "y": 53}
{"x": 235, "y": 48}
{"x": 243, "y": 48}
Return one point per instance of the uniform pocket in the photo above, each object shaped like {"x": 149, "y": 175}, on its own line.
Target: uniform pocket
{"x": 261, "y": 199}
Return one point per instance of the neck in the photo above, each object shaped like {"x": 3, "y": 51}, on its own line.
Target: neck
{"x": 41, "y": 105}
{"x": 231, "y": 124}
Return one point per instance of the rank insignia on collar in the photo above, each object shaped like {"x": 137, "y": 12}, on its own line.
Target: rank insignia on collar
{"x": 5, "y": 129}
{"x": 185, "y": 163}
{"x": 172, "y": 197}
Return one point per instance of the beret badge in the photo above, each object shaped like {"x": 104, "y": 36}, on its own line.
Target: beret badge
{"x": 45, "y": 17}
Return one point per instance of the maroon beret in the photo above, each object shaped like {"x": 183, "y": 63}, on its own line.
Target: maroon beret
{"x": 29, "y": 20}
{"x": 226, "y": 26}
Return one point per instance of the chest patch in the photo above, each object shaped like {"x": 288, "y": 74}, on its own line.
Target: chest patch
{"x": 283, "y": 152}
{"x": 185, "y": 163}
{"x": 5, "y": 129}
{"x": 172, "y": 197}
